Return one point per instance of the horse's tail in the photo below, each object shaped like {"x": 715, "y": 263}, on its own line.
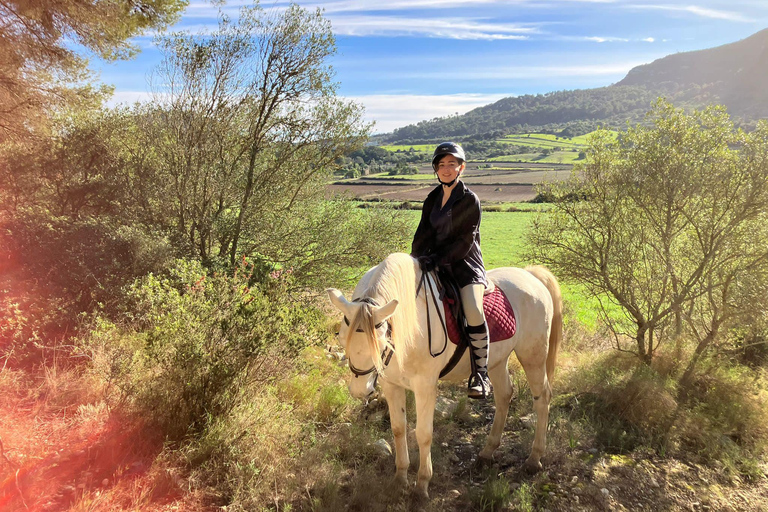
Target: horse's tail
{"x": 556, "y": 333}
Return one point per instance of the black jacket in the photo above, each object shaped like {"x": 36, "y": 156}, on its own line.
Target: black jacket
{"x": 459, "y": 252}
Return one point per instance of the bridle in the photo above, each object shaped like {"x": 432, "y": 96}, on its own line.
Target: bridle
{"x": 386, "y": 354}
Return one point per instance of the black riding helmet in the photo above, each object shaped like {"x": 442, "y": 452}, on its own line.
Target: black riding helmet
{"x": 448, "y": 148}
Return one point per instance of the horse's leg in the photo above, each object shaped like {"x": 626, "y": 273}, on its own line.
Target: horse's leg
{"x": 396, "y": 401}
{"x": 502, "y": 394}
{"x": 536, "y": 372}
{"x": 426, "y": 395}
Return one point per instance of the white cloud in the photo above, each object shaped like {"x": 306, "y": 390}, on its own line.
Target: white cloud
{"x": 649, "y": 40}
{"x": 391, "y": 111}
{"x": 391, "y": 5}
{"x": 696, "y": 10}
{"x": 128, "y": 98}
{"x": 448, "y": 28}
{"x": 607, "y": 39}
{"x": 532, "y": 72}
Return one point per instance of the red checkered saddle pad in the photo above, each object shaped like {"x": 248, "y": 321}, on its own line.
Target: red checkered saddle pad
{"x": 498, "y": 315}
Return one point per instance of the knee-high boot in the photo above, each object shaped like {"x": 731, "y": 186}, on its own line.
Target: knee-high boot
{"x": 479, "y": 385}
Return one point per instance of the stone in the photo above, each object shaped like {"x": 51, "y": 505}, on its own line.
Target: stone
{"x": 445, "y": 407}
{"x": 529, "y": 420}
{"x": 383, "y": 447}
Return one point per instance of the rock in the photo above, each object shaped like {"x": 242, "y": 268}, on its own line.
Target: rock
{"x": 575, "y": 479}
{"x": 455, "y": 493}
{"x": 605, "y": 492}
{"x": 445, "y": 407}
{"x": 529, "y": 420}
{"x": 592, "y": 451}
{"x": 654, "y": 483}
{"x": 136, "y": 468}
{"x": 105, "y": 482}
{"x": 383, "y": 447}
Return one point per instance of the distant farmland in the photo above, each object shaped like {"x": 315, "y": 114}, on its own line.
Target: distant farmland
{"x": 499, "y": 182}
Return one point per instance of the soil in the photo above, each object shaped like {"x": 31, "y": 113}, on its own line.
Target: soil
{"x": 59, "y": 457}
{"x": 578, "y": 478}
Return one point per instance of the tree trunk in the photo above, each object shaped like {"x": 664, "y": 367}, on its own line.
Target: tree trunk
{"x": 644, "y": 348}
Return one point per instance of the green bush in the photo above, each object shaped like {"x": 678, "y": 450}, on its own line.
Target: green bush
{"x": 190, "y": 340}
{"x": 69, "y": 266}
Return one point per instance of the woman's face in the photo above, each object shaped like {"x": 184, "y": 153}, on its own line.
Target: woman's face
{"x": 449, "y": 168}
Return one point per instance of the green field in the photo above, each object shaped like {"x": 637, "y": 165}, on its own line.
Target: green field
{"x": 426, "y": 148}
{"x": 541, "y": 140}
{"x": 503, "y": 244}
{"x": 558, "y": 157}
{"x": 532, "y": 140}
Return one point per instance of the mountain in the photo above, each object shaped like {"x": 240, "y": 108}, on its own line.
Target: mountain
{"x": 734, "y": 75}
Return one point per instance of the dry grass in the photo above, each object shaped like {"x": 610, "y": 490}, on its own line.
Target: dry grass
{"x": 301, "y": 443}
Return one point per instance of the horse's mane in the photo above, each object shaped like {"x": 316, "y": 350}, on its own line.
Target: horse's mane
{"x": 393, "y": 279}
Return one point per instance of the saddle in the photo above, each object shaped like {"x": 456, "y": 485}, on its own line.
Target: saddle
{"x": 499, "y": 316}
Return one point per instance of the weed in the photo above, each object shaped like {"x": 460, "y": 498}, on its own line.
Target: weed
{"x": 494, "y": 495}
{"x": 523, "y": 498}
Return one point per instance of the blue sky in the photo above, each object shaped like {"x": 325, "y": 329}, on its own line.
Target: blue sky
{"x": 410, "y": 60}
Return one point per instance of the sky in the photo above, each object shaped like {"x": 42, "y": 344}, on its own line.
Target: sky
{"x": 413, "y": 60}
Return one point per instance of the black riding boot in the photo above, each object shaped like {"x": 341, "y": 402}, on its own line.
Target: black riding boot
{"x": 479, "y": 385}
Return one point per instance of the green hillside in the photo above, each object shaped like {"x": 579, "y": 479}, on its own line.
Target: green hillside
{"x": 733, "y": 75}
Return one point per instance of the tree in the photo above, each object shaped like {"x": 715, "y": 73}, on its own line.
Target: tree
{"x": 664, "y": 227}
{"x": 248, "y": 125}
{"x": 40, "y": 70}
{"x": 233, "y": 156}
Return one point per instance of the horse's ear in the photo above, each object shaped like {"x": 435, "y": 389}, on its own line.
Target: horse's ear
{"x": 338, "y": 300}
{"x": 384, "y": 312}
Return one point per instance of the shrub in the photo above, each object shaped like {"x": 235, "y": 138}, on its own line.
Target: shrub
{"x": 64, "y": 267}
{"x": 190, "y": 340}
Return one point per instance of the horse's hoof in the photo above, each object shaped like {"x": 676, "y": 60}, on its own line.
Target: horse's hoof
{"x": 532, "y": 466}
{"x": 483, "y": 463}
{"x": 399, "y": 483}
{"x": 420, "y": 495}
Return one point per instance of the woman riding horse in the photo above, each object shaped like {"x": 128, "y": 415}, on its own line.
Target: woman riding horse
{"x": 448, "y": 237}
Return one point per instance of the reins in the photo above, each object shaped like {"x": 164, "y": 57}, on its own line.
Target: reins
{"x": 430, "y": 284}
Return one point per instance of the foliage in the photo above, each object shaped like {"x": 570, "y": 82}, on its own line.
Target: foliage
{"x": 68, "y": 267}
{"x": 191, "y": 340}
{"x": 654, "y": 236}
{"x": 494, "y": 495}
{"x": 246, "y": 128}
{"x": 620, "y": 405}
{"x": 40, "y": 69}
{"x": 569, "y": 113}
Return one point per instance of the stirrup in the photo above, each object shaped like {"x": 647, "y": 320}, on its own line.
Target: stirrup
{"x": 479, "y": 386}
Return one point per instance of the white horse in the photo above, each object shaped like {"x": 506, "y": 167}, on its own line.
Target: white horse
{"x": 384, "y": 334}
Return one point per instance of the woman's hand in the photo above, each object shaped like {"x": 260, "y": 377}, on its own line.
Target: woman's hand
{"x": 427, "y": 263}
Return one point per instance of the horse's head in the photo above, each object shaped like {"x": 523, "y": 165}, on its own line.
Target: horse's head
{"x": 363, "y": 335}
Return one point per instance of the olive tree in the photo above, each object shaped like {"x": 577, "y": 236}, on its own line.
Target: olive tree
{"x": 660, "y": 221}
{"x": 245, "y": 131}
